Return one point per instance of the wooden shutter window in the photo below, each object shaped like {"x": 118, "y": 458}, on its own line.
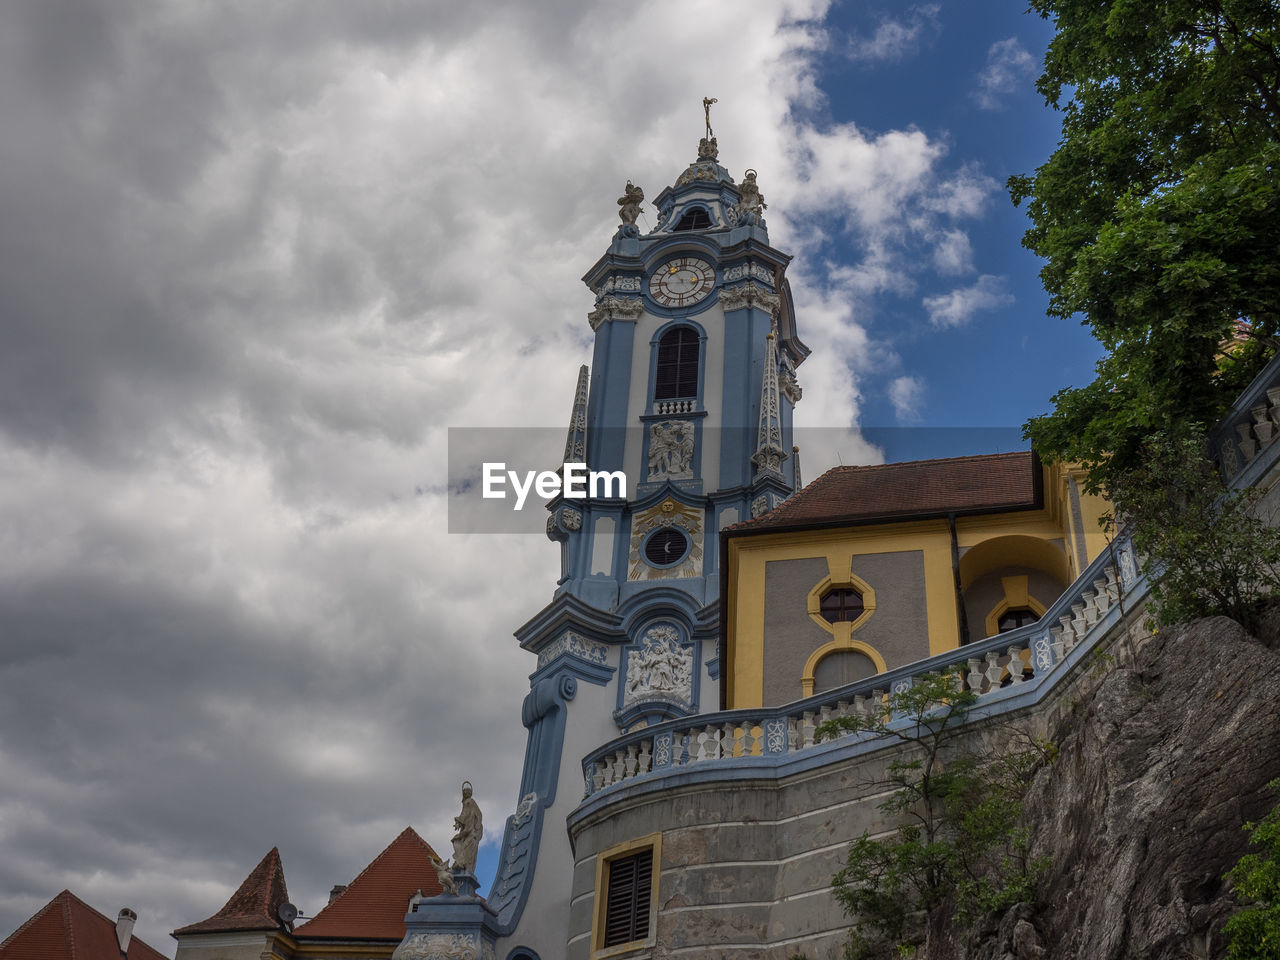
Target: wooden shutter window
{"x": 626, "y": 915}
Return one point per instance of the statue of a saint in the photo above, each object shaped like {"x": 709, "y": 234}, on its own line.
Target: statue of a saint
{"x": 469, "y": 827}
{"x": 629, "y": 204}
{"x": 752, "y": 198}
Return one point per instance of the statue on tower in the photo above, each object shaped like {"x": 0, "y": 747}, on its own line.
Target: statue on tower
{"x": 753, "y": 206}
{"x": 629, "y": 204}
{"x": 470, "y": 828}
{"x": 707, "y": 148}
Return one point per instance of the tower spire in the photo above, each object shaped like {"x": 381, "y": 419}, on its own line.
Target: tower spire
{"x": 575, "y": 444}
{"x": 769, "y": 452}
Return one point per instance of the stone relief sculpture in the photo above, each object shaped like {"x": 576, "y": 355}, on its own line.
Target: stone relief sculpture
{"x": 629, "y": 204}
{"x": 469, "y": 827}
{"x": 444, "y": 946}
{"x": 670, "y": 449}
{"x": 660, "y": 668}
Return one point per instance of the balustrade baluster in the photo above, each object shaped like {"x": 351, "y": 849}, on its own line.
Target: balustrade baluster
{"x": 793, "y": 735}
{"x": 629, "y": 763}
{"x": 1016, "y": 664}
{"x": 1113, "y": 585}
{"x": 646, "y": 757}
{"x": 1100, "y": 598}
{"x": 1247, "y": 445}
{"x": 974, "y": 679}
{"x": 807, "y": 728}
{"x": 729, "y": 740}
{"x": 1078, "y": 621}
{"x": 995, "y": 672}
{"x": 1057, "y": 640}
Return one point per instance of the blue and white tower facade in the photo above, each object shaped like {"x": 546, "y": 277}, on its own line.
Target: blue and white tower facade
{"x": 690, "y": 395}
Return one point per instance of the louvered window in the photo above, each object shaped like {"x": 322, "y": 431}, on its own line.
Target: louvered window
{"x": 626, "y": 915}
{"x": 677, "y": 372}
{"x": 695, "y": 219}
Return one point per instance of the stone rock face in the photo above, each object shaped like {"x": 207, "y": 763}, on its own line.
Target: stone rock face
{"x": 1160, "y": 765}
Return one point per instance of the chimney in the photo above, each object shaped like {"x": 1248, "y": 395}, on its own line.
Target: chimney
{"x": 124, "y": 928}
{"x": 338, "y": 890}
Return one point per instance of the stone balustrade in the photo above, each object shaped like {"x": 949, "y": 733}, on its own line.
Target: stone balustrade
{"x": 996, "y": 669}
{"x": 1251, "y": 427}
{"x": 666, "y": 408}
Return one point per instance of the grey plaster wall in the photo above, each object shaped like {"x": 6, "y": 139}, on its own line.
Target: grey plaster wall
{"x": 898, "y": 629}
{"x": 987, "y": 591}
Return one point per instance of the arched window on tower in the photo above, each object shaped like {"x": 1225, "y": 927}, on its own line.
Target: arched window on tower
{"x": 695, "y": 219}
{"x": 677, "y": 368}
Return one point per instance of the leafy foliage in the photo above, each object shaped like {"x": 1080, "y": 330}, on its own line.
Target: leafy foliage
{"x": 1159, "y": 213}
{"x": 957, "y": 840}
{"x": 1254, "y": 932}
{"x": 1202, "y": 543}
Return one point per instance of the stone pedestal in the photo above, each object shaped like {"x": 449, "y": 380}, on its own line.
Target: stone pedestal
{"x": 449, "y": 926}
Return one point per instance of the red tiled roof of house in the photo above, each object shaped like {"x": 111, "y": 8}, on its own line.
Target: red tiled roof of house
{"x": 374, "y": 904}
{"x": 67, "y": 928}
{"x": 254, "y": 905}
{"x": 917, "y": 488}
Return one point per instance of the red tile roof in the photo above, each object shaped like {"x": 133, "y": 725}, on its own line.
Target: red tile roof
{"x": 911, "y": 490}
{"x": 254, "y": 905}
{"x": 67, "y": 928}
{"x": 374, "y": 904}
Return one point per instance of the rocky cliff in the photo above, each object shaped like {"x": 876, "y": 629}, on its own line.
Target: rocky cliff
{"x": 1160, "y": 764}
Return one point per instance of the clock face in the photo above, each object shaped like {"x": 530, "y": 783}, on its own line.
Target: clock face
{"x": 682, "y": 282}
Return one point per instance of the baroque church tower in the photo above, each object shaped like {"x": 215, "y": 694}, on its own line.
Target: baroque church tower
{"x": 690, "y": 394}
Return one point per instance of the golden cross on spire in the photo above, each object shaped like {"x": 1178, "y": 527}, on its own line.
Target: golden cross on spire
{"x": 706, "y": 108}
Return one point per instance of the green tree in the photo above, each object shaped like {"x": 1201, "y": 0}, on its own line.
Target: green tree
{"x": 1203, "y": 545}
{"x": 1254, "y": 933}
{"x": 1159, "y": 213}
{"x": 957, "y": 841}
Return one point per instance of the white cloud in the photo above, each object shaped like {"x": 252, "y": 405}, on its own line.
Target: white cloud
{"x": 906, "y": 393}
{"x": 896, "y": 39}
{"x": 957, "y": 308}
{"x": 953, "y": 253}
{"x": 1009, "y": 65}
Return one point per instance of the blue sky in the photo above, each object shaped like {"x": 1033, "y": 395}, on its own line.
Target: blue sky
{"x": 963, "y": 72}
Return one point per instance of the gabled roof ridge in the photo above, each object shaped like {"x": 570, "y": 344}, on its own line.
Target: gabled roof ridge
{"x": 373, "y": 904}
{"x": 817, "y": 495}
{"x": 252, "y": 901}
{"x": 408, "y": 833}
{"x": 910, "y": 463}
{"x": 58, "y": 901}
{"x": 73, "y": 910}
